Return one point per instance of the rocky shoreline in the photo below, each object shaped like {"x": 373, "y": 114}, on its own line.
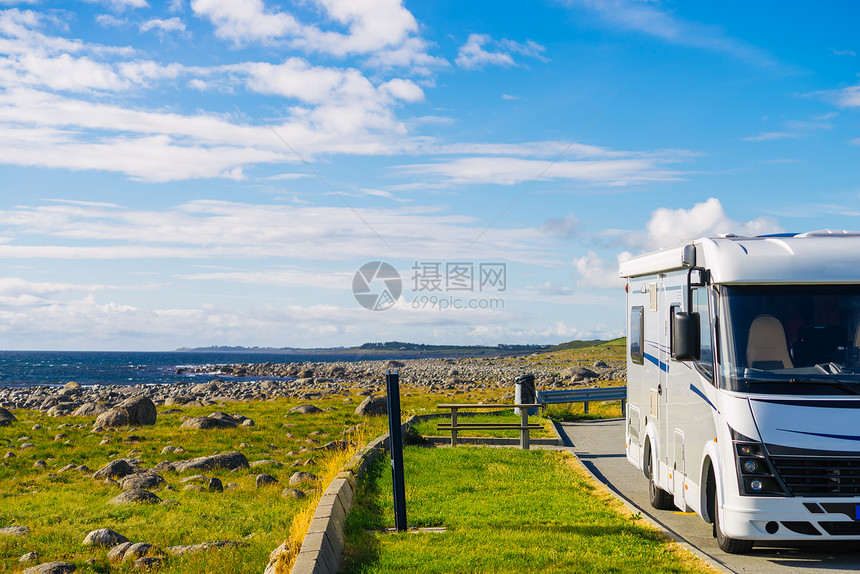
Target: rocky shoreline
{"x": 310, "y": 380}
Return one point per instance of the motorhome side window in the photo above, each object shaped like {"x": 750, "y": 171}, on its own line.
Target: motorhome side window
{"x": 637, "y": 335}
{"x": 700, "y": 306}
{"x": 672, "y": 310}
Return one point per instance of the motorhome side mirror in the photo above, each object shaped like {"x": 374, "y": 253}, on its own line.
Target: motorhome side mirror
{"x": 686, "y": 342}
{"x": 698, "y": 277}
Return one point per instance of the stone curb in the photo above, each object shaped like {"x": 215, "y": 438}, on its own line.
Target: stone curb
{"x": 322, "y": 547}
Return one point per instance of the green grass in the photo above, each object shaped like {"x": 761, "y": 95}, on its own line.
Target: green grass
{"x": 60, "y": 510}
{"x": 567, "y": 412}
{"x": 505, "y": 510}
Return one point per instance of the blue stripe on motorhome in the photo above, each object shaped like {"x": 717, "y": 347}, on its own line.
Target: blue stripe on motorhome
{"x": 825, "y": 435}
{"x": 657, "y": 363}
{"x": 701, "y": 394}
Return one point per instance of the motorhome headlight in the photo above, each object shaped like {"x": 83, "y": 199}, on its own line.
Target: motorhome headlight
{"x": 746, "y": 450}
{"x": 755, "y": 474}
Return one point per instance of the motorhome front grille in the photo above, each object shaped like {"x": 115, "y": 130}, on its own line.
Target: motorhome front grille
{"x": 841, "y": 528}
{"x": 809, "y": 476}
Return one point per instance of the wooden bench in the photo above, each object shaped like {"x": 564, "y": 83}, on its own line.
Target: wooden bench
{"x": 524, "y": 427}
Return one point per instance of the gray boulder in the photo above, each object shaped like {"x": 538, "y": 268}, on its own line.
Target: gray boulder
{"x": 202, "y": 388}
{"x": 129, "y": 551}
{"x": 306, "y": 409}
{"x": 140, "y": 410}
{"x": 112, "y": 418}
{"x": 90, "y": 409}
{"x": 6, "y": 417}
{"x": 144, "y": 480}
{"x": 104, "y": 537}
{"x": 216, "y": 420}
{"x": 293, "y": 493}
{"x": 52, "y": 568}
{"x": 118, "y": 468}
{"x": 372, "y": 406}
{"x": 577, "y": 373}
{"x": 15, "y": 531}
{"x": 265, "y": 480}
{"x": 225, "y": 461}
{"x": 301, "y": 477}
{"x": 135, "y": 495}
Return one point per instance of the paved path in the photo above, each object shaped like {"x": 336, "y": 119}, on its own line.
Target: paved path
{"x": 600, "y": 446}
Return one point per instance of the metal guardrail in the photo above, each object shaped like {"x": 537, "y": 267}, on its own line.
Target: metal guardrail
{"x": 584, "y": 396}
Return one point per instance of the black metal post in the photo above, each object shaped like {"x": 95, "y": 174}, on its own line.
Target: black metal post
{"x": 395, "y": 440}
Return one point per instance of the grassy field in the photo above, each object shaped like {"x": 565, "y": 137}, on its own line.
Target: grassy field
{"x": 505, "y": 510}
{"x": 61, "y": 508}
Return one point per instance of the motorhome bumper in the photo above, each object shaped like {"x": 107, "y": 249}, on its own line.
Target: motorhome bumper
{"x": 793, "y": 519}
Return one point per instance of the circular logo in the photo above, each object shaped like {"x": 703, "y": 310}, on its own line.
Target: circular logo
{"x": 376, "y": 286}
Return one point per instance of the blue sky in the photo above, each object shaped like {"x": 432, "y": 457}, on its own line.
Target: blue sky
{"x": 215, "y": 172}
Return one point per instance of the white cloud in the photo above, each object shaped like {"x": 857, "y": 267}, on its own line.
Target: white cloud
{"x": 219, "y": 229}
{"x": 110, "y": 21}
{"x": 845, "y": 98}
{"x": 666, "y": 228}
{"x": 14, "y": 287}
{"x": 650, "y": 19}
{"x": 767, "y": 136}
{"x": 383, "y": 31}
{"x": 596, "y": 272}
{"x": 669, "y": 227}
{"x": 373, "y": 25}
{"x": 472, "y": 54}
{"x": 245, "y": 21}
{"x": 120, "y": 5}
{"x": 63, "y": 72}
{"x": 280, "y": 278}
{"x": 295, "y": 78}
{"x": 510, "y": 170}
{"x": 52, "y": 131}
{"x": 528, "y": 48}
{"x": 796, "y": 129}
{"x": 564, "y": 227}
{"x": 168, "y": 25}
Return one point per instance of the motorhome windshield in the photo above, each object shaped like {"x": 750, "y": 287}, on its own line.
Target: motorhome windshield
{"x": 779, "y": 339}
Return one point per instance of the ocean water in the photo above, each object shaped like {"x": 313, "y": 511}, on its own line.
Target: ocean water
{"x": 31, "y": 368}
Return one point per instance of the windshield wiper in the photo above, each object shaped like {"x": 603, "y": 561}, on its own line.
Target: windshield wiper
{"x": 848, "y": 386}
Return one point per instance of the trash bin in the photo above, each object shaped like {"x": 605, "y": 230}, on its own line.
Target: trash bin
{"x": 524, "y": 393}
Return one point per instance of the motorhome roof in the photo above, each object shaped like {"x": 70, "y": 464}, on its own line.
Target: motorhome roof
{"x": 813, "y": 257}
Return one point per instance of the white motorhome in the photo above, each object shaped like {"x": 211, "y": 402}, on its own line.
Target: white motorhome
{"x": 743, "y": 382}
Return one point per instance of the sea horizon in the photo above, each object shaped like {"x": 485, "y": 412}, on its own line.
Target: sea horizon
{"x": 87, "y": 368}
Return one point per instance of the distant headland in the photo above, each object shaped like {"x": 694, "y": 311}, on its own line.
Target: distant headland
{"x": 395, "y": 348}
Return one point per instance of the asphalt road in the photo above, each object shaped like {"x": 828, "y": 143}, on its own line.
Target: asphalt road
{"x": 600, "y": 446}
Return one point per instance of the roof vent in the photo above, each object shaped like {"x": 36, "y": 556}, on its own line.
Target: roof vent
{"x": 829, "y": 233}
